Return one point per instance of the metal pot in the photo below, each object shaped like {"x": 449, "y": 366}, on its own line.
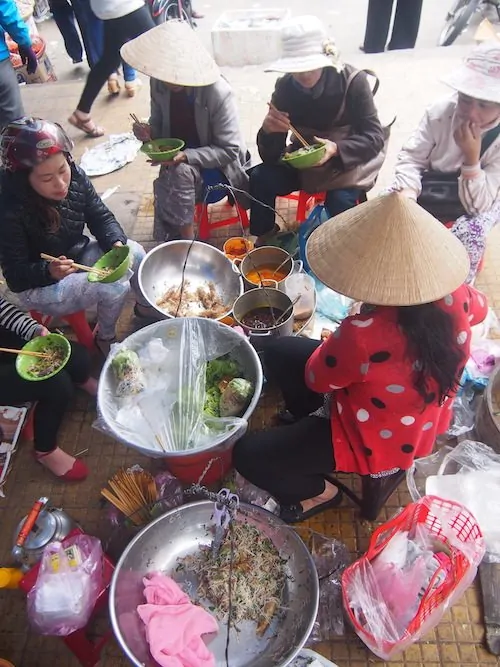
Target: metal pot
{"x": 269, "y": 257}
{"x": 265, "y": 297}
{"x": 38, "y": 529}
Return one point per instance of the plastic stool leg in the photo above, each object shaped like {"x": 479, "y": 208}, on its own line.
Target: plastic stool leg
{"x": 204, "y": 228}
{"x": 78, "y": 322}
{"x": 302, "y": 206}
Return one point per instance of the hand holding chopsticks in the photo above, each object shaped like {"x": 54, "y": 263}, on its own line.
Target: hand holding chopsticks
{"x": 141, "y": 130}
{"x": 280, "y": 120}
{"x": 82, "y": 267}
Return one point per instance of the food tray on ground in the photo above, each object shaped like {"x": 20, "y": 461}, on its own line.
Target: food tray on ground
{"x": 305, "y": 157}
{"x": 27, "y": 365}
{"x": 308, "y": 658}
{"x": 162, "y": 150}
{"x": 117, "y": 259}
{"x": 181, "y": 532}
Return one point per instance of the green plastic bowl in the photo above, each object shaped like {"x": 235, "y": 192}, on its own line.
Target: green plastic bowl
{"x": 162, "y": 150}
{"x": 26, "y": 365}
{"x": 117, "y": 258}
{"x": 303, "y": 158}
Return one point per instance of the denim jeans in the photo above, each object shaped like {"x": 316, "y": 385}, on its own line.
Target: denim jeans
{"x": 267, "y": 181}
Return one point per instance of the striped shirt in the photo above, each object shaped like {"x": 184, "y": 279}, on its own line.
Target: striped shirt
{"x": 15, "y": 320}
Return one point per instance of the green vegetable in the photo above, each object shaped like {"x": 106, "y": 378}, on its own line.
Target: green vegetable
{"x": 235, "y": 397}
{"x": 125, "y": 362}
{"x": 217, "y": 369}
{"x": 212, "y": 401}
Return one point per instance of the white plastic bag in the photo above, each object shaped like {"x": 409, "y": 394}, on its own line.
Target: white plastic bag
{"x": 67, "y": 587}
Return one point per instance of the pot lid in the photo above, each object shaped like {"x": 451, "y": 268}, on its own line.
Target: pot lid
{"x": 43, "y": 531}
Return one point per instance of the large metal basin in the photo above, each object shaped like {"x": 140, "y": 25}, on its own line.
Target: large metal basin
{"x": 180, "y": 462}
{"x": 162, "y": 268}
{"x": 180, "y": 532}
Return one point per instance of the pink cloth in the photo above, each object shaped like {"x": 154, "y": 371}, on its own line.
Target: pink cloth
{"x": 174, "y": 626}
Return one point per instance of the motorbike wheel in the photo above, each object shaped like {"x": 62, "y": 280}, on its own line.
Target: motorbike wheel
{"x": 457, "y": 20}
{"x": 172, "y": 12}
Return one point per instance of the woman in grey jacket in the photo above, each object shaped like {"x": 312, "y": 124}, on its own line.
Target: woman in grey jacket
{"x": 189, "y": 101}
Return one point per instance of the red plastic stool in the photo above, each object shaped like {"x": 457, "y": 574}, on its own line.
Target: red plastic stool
{"x": 205, "y": 226}
{"x": 87, "y": 652}
{"x": 77, "y": 321}
{"x": 305, "y": 200}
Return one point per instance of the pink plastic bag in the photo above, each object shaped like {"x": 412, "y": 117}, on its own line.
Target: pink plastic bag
{"x": 67, "y": 586}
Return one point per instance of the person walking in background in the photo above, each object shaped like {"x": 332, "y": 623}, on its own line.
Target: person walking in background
{"x": 65, "y": 19}
{"x": 123, "y": 20}
{"x": 404, "y": 29}
{"x": 11, "y": 106}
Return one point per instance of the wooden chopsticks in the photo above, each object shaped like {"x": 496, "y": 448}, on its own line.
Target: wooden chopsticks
{"x": 28, "y": 353}
{"x": 292, "y": 128}
{"x": 137, "y": 120}
{"x": 82, "y": 267}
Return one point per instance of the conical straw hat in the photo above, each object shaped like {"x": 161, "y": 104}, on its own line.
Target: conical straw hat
{"x": 172, "y": 52}
{"x": 388, "y": 251}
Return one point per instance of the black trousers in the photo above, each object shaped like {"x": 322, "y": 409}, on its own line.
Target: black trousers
{"x": 116, "y": 33}
{"x": 289, "y": 462}
{"x": 52, "y": 396}
{"x": 268, "y": 181}
{"x": 404, "y": 30}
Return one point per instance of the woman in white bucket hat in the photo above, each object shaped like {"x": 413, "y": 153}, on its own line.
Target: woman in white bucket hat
{"x": 451, "y": 163}
{"x": 326, "y": 101}
{"x": 190, "y": 100}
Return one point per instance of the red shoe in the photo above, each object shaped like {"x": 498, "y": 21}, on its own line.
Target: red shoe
{"x": 77, "y": 473}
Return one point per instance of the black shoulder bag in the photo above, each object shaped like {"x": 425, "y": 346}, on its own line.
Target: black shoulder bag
{"x": 439, "y": 193}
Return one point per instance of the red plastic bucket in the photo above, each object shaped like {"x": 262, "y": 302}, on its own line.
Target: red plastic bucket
{"x": 189, "y": 469}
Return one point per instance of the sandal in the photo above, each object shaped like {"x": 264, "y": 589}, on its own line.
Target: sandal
{"x": 113, "y": 86}
{"x": 88, "y": 126}
{"x": 295, "y": 513}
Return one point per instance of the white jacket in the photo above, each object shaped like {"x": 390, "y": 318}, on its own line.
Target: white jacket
{"x": 114, "y": 9}
{"x": 432, "y": 147}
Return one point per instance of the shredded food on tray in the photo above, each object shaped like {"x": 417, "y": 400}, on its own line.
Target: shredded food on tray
{"x": 204, "y": 301}
{"x": 258, "y": 576}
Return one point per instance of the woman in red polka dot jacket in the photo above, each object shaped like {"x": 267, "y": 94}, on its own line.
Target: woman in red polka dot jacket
{"x": 378, "y": 391}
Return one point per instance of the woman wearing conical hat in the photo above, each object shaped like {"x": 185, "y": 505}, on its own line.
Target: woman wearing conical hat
{"x": 377, "y": 393}
{"x": 190, "y": 101}
{"x": 457, "y": 144}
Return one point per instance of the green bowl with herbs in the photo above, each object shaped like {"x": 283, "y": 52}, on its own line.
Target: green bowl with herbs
{"x": 33, "y": 368}
{"x": 162, "y": 150}
{"x": 305, "y": 157}
{"x": 114, "y": 264}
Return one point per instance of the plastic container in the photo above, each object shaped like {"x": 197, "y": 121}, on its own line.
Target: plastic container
{"x": 248, "y": 36}
{"x": 10, "y": 578}
{"x": 301, "y": 285}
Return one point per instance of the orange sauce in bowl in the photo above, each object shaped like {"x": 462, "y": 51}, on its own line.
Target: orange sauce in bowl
{"x": 265, "y": 273}
{"x": 237, "y": 247}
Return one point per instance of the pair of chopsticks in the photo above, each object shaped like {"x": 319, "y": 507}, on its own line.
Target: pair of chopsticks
{"x": 292, "y": 128}
{"x": 27, "y": 353}
{"x": 82, "y": 267}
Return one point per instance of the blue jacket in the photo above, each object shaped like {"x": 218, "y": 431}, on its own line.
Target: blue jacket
{"x": 11, "y": 22}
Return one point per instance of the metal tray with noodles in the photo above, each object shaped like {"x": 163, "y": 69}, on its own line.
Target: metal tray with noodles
{"x": 180, "y": 532}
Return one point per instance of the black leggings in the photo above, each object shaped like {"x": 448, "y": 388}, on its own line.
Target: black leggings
{"x": 116, "y": 33}
{"x": 289, "y": 462}
{"x": 52, "y": 396}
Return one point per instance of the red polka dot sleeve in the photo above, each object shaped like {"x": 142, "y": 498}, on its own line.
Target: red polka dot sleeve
{"x": 341, "y": 359}
{"x": 478, "y": 305}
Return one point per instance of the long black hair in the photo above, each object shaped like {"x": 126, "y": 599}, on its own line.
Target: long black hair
{"x": 431, "y": 338}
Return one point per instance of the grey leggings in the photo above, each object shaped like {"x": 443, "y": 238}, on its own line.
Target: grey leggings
{"x": 75, "y": 292}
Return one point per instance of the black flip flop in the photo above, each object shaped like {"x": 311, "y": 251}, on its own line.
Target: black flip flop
{"x": 295, "y": 514}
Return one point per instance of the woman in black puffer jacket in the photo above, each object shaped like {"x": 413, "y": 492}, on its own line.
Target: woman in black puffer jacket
{"x": 46, "y": 201}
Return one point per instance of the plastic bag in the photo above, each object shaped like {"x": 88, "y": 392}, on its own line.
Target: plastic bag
{"x": 331, "y": 557}
{"x": 316, "y": 217}
{"x": 67, "y": 587}
{"x": 464, "y": 412}
{"x": 393, "y": 601}
{"x": 468, "y": 474}
{"x": 249, "y": 493}
{"x": 167, "y": 415}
